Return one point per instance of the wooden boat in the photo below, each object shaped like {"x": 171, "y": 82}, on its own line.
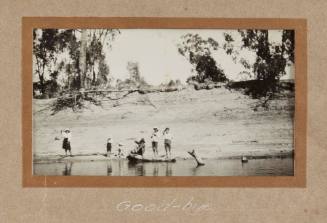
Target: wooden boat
{"x": 139, "y": 159}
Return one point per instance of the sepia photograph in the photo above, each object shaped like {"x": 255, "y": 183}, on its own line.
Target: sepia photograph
{"x": 163, "y": 102}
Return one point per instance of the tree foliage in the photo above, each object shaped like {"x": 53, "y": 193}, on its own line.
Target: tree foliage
{"x": 198, "y": 51}
{"x": 288, "y": 44}
{"x": 207, "y": 70}
{"x": 44, "y": 49}
{"x": 85, "y": 67}
{"x": 271, "y": 59}
{"x": 133, "y": 70}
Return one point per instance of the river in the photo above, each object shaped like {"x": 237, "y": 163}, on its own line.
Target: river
{"x": 212, "y": 167}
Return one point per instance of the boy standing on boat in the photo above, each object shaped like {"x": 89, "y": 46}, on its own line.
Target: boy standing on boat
{"x": 167, "y": 141}
{"x": 155, "y": 140}
{"x": 66, "y": 134}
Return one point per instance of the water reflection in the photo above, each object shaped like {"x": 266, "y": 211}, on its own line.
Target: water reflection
{"x": 67, "y": 169}
{"x": 109, "y": 168}
{"x": 140, "y": 170}
{"x": 136, "y": 169}
{"x": 120, "y": 167}
{"x": 169, "y": 170}
{"x": 155, "y": 170}
{"x": 195, "y": 170}
{"x": 213, "y": 167}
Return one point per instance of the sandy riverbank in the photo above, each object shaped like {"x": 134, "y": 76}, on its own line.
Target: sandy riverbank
{"x": 218, "y": 123}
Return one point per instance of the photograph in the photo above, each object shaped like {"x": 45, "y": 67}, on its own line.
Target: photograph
{"x": 163, "y": 102}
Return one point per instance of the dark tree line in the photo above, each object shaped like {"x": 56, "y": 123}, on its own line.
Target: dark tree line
{"x": 271, "y": 60}
{"x": 270, "y": 63}
{"x": 85, "y": 49}
{"x": 85, "y": 66}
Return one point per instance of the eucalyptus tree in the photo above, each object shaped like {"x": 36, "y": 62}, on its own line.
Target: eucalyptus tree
{"x": 198, "y": 51}
{"x": 271, "y": 58}
{"x": 86, "y": 48}
{"x": 92, "y": 46}
{"x": 46, "y": 44}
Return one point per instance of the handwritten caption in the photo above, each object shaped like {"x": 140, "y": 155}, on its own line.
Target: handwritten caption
{"x": 189, "y": 206}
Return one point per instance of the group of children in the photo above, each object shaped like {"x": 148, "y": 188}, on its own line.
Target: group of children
{"x": 110, "y": 145}
{"x": 140, "y": 148}
{"x": 167, "y": 141}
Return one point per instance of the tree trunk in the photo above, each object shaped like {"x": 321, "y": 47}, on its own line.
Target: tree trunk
{"x": 198, "y": 159}
{"x": 42, "y": 87}
{"x": 263, "y": 46}
{"x": 82, "y": 58}
{"x": 41, "y": 77}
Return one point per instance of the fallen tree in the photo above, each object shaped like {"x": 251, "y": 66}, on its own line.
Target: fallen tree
{"x": 198, "y": 159}
{"x": 75, "y": 100}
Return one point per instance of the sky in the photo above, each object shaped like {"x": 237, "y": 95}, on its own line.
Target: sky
{"x": 156, "y": 52}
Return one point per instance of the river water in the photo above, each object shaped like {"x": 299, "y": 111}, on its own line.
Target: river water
{"x": 212, "y": 167}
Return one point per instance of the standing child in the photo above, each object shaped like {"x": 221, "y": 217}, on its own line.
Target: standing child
{"x": 167, "y": 141}
{"x": 120, "y": 154}
{"x": 109, "y": 146}
{"x": 66, "y": 134}
{"x": 155, "y": 139}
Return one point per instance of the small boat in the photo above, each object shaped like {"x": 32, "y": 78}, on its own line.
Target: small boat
{"x": 244, "y": 159}
{"x": 139, "y": 159}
